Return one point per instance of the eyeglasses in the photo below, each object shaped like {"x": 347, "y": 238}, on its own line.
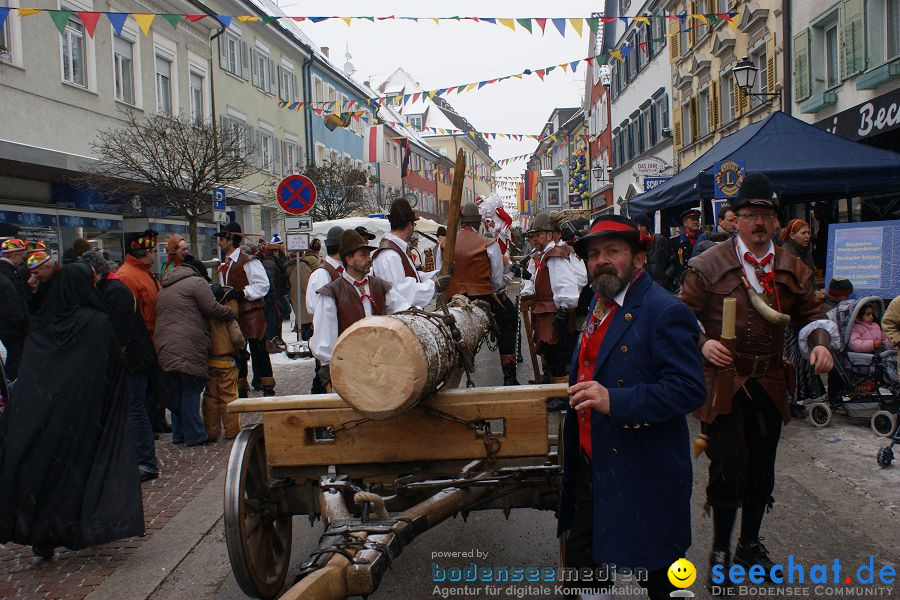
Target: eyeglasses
{"x": 757, "y": 216}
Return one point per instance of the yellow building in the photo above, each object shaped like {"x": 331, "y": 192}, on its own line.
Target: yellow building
{"x": 706, "y": 103}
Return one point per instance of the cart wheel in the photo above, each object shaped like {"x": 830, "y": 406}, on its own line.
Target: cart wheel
{"x": 884, "y": 423}
{"x": 257, "y": 535}
{"x": 820, "y": 414}
{"x": 885, "y": 457}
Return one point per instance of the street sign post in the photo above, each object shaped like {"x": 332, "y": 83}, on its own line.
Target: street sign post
{"x": 296, "y": 194}
{"x": 218, "y": 205}
{"x": 297, "y": 241}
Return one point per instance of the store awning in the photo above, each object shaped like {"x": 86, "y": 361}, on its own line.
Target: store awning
{"x": 805, "y": 163}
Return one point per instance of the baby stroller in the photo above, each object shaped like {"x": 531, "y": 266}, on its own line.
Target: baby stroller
{"x": 886, "y": 454}
{"x": 864, "y": 385}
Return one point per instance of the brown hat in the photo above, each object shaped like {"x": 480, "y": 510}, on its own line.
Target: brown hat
{"x": 80, "y": 246}
{"x": 173, "y": 242}
{"x": 401, "y": 214}
{"x": 351, "y": 241}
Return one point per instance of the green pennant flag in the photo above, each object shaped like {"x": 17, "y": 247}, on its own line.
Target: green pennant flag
{"x": 460, "y": 88}
{"x": 172, "y": 19}
{"x": 60, "y": 19}
{"x": 593, "y": 23}
{"x": 713, "y": 19}
{"x": 548, "y": 69}
{"x": 372, "y": 19}
{"x": 268, "y": 19}
{"x": 525, "y": 23}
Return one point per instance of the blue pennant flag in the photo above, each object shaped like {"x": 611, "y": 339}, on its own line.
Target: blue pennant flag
{"x": 561, "y": 26}
{"x": 225, "y": 20}
{"x": 3, "y": 12}
{"x": 117, "y": 20}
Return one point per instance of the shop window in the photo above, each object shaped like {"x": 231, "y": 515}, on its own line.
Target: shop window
{"x": 74, "y": 54}
{"x": 123, "y": 69}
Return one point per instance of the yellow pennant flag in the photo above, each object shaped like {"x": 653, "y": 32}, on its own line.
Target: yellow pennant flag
{"x": 518, "y": 76}
{"x": 734, "y": 22}
{"x": 432, "y": 94}
{"x": 144, "y": 20}
{"x": 471, "y": 87}
{"x": 511, "y": 23}
{"x": 701, "y": 18}
{"x": 565, "y": 67}
{"x": 25, "y": 12}
{"x": 247, "y": 18}
{"x": 617, "y": 54}
{"x": 437, "y": 20}
{"x": 644, "y": 20}
{"x": 577, "y": 24}
{"x": 346, "y": 20}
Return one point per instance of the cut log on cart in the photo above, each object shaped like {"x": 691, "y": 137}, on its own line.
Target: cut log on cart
{"x": 383, "y": 366}
{"x": 377, "y": 485}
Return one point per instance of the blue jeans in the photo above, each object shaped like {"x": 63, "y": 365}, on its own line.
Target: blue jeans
{"x": 140, "y": 423}
{"x": 187, "y": 426}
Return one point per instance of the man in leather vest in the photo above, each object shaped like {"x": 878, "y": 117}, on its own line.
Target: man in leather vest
{"x": 556, "y": 293}
{"x": 479, "y": 274}
{"x": 391, "y": 262}
{"x": 247, "y": 277}
{"x": 743, "y": 429}
{"x": 329, "y": 269}
{"x": 347, "y": 299}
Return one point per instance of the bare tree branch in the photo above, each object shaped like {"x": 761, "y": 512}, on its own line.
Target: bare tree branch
{"x": 341, "y": 190}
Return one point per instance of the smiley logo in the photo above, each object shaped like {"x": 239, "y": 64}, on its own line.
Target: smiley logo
{"x": 682, "y": 573}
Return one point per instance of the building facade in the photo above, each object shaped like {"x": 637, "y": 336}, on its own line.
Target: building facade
{"x": 640, "y": 103}
{"x": 597, "y": 110}
{"x": 60, "y": 86}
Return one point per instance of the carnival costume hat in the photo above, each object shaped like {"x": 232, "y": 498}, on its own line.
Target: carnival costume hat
{"x": 540, "y": 222}
{"x": 136, "y": 241}
{"x": 756, "y": 190}
{"x": 470, "y": 214}
{"x": 609, "y": 226}
{"x": 12, "y": 246}
{"x": 232, "y": 229}
{"x": 36, "y": 246}
{"x": 37, "y": 260}
{"x": 173, "y": 242}
{"x": 351, "y": 241}
{"x": 361, "y": 230}
{"x": 333, "y": 239}
{"x": 693, "y": 213}
{"x": 401, "y": 214}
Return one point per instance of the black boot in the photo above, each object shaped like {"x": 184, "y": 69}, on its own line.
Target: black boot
{"x": 720, "y": 558}
{"x": 268, "y": 391}
{"x": 509, "y": 374}
{"x": 43, "y": 552}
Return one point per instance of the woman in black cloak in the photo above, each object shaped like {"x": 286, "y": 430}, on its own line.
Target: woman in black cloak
{"x": 67, "y": 458}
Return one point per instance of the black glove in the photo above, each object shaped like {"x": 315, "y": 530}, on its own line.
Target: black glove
{"x": 562, "y": 315}
{"x": 441, "y": 284}
{"x": 526, "y": 274}
{"x": 237, "y": 295}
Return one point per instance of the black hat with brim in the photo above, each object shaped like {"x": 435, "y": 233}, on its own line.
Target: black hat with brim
{"x": 691, "y": 212}
{"x": 609, "y": 226}
{"x": 756, "y": 190}
{"x": 361, "y": 230}
{"x": 351, "y": 241}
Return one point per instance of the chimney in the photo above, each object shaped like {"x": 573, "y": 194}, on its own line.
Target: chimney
{"x": 324, "y": 50}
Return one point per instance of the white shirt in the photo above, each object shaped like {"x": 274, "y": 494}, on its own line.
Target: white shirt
{"x": 258, "y": 280}
{"x": 389, "y": 266}
{"x": 527, "y": 288}
{"x": 579, "y": 267}
{"x": 317, "y": 279}
{"x": 325, "y": 318}
{"x": 563, "y": 280}
{"x": 750, "y": 270}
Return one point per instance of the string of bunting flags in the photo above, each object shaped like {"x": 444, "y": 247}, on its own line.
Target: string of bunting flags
{"x": 528, "y": 24}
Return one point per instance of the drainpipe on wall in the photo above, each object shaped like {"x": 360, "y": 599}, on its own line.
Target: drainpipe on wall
{"x": 787, "y": 83}
{"x": 307, "y": 117}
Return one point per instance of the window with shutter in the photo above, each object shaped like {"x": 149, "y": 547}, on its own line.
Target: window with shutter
{"x": 674, "y": 51}
{"x": 676, "y": 128}
{"x": 695, "y": 121}
{"x": 245, "y": 61}
{"x": 690, "y": 24}
{"x": 254, "y": 66}
{"x": 853, "y": 58}
{"x": 714, "y": 118}
{"x": 271, "y": 84}
{"x": 802, "y": 83}
{"x": 771, "y": 68}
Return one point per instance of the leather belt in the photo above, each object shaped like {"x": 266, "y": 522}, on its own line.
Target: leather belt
{"x": 749, "y": 365}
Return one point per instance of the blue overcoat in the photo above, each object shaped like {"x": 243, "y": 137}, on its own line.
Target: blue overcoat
{"x": 642, "y": 478}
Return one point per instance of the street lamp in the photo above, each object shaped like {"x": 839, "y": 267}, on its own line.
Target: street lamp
{"x": 745, "y": 73}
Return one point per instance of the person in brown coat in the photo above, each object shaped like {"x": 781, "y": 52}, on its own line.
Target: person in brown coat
{"x": 183, "y": 307}
{"x": 221, "y": 385}
{"x": 299, "y": 278}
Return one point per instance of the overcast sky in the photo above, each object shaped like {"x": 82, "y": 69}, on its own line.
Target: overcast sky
{"x": 454, "y": 53}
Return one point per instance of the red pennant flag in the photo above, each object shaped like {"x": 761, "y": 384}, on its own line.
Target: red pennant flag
{"x": 541, "y": 23}
{"x": 385, "y": 18}
{"x": 589, "y": 59}
{"x": 298, "y": 19}
{"x": 318, "y": 111}
{"x": 643, "y": 46}
{"x": 415, "y": 97}
{"x": 90, "y": 21}
{"x": 607, "y": 19}
{"x": 725, "y": 16}
{"x": 195, "y": 18}
{"x": 540, "y": 73}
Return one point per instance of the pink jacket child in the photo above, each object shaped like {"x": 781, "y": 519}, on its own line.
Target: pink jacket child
{"x": 866, "y": 334}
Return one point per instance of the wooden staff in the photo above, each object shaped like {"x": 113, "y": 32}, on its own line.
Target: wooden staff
{"x": 725, "y": 375}
{"x": 525, "y": 310}
{"x": 459, "y": 178}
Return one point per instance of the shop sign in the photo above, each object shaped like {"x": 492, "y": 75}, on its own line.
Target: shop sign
{"x": 652, "y": 182}
{"x": 728, "y": 177}
{"x": 23, "y": 219}
{"x": 865, "y": 253}
{"x": 876, "y": 116}
{"x": 649, "y": 166}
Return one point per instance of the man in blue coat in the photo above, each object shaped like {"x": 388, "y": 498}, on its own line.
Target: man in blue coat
{"x": 635, "y": 374}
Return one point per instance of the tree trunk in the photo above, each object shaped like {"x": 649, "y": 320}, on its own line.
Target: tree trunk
{"x": 192, "y": 234}
{"x": 383, "y": 366}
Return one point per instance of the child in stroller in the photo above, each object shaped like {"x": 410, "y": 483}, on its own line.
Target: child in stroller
{"x": 865, "y": 382}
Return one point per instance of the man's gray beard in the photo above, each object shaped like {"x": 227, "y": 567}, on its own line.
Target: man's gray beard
{"x": 609, "y": 286}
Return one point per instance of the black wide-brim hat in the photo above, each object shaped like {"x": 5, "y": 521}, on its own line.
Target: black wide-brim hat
{"x": 227, "y": 229}
{"x": 609, "y": 226}
{"x": 755, "y": 190}
{"x": 401, "y": 211}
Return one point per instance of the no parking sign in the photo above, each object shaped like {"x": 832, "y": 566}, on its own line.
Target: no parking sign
{"x": 296, "y": 194}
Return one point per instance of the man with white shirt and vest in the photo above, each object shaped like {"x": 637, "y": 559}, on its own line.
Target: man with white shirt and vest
{"x": 479, "y": 274}
{"x": 329, "y": 269}
{"x": 742, "y": 430}
{"x": 347, "y": 299}
{"x": 556, "y": 291}
{"x": 391, "y": 262}
{"x": 247, "y": 277}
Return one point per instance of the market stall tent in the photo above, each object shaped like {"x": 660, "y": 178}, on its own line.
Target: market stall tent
{"x": 805, "y": 163}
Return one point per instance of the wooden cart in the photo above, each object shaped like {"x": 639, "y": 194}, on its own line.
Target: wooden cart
{"x": 377, "y": 484}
